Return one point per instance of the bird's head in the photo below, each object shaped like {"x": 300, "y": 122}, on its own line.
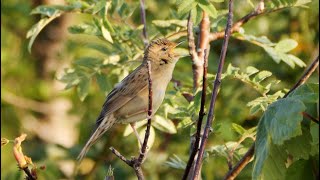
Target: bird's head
{"x": 162, "y": 52}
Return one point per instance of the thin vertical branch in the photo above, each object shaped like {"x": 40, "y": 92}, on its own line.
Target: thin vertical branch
{"x": 193, "y": 53}
{"x": 216, "y": 86}
{"x": 135, "y": 163}
{"x": 144, "y": 22}
{"x": 249, "y": 154}
{"x": 201, "y": 114}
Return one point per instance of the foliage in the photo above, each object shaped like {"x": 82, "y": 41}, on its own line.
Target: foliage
{"x": 104, "y": 44}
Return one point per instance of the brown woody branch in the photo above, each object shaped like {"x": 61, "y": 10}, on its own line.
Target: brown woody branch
{"x": 249, "y": 154}
{"x": 136, "y": 163}
{"x": 306, "y": 115}
{"x": 201, "y": 114}
{"x": 216, "y": 86}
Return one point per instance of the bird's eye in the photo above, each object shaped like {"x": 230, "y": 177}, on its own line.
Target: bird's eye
{"x": 163, "y": 61}
{"x": 164, "y": 49}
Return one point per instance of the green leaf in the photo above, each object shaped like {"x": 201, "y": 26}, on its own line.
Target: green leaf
{"x": 286, "y": 45}
{"x": 88, "y": 62}
{"x": 301, "y": 169}
{"x": 239, "y": 129}
{"x": 163, "y": 124}
{"x": 196, "y": 15}
{"x": 168, "y": 23}
{"x": 85, "y": 28}
{"x": 274, "y": 166}
{"x": 35, "y": 29}
{"x": 45, "y": 10}
{"x": 99, "y": 6}
{"x": 83, "y": 88}
{"x": 282, "y": 119}
{"x": 186, "y": 6}
{"x": 280, "y": 122}
{"x": 102, "y": 81}
{"x": 176, "y": 162}
{"x": 261, "y": 76}
{"x": 272, "y": 53}
{"x": 307, "y": 93}
{"x": 299, "y": 147}
{"x": 186, "y": 122}
{"x": 208, "y": 8}
{"x": 217, "y": 1}
{"x": 250, "y": 70}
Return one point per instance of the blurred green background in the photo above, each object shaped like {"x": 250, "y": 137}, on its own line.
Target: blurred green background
{"x": 58, "y": 123}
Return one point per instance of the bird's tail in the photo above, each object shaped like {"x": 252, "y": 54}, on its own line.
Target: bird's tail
{"x": 107, "y": 122}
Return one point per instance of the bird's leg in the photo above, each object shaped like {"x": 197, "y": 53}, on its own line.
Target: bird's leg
{"x": 135, "y": 132}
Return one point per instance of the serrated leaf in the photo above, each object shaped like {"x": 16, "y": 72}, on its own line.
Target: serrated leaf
{"x": 208, "y": 8}
{"x": 164, "y": 125}
{"x": 286, "y": 45}
{"x": 261, "y": 76}
{"x": 307, "y": 93}
{"x": 83, "y": 88}
{"x": 282, "y": 119}
{"x": 280, "y": 122}
{"x": 36, "y": 29}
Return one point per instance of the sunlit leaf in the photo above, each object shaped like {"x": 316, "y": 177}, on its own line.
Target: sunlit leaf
{"x": 35, "y": 30}
{"x": 164, "y": 125}
{"x": 286, "y": 45}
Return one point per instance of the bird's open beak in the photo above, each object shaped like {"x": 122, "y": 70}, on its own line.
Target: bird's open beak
{"x": 179, "y": 43}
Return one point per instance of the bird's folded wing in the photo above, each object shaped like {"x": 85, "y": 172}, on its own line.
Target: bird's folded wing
{"x": 126, "y": 90}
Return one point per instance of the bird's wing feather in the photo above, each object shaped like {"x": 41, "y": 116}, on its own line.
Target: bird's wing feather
{"x": 127, "y": 89}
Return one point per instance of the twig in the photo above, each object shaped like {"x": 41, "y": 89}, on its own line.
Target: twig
{"x": 135, "y": 163}
{"x": 236, "y": 26}
{"x": 143, "y": 21}
{"x": 216, "y": 86}
{"x": 120, "y": 156}
{"x": 249, "y": 154}
{"x": 193, "y": 53}
{"x": 201, "y": 114}
{"x": 310, "y": 117}
{"x": 241, "y": 164}
{"x": 29, "y": 174}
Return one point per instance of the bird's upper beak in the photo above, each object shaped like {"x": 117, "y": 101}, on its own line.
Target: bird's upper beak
{"x": 179, "y": 52}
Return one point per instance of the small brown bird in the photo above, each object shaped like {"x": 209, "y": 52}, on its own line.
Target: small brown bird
{"x": 128, "y": 101}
